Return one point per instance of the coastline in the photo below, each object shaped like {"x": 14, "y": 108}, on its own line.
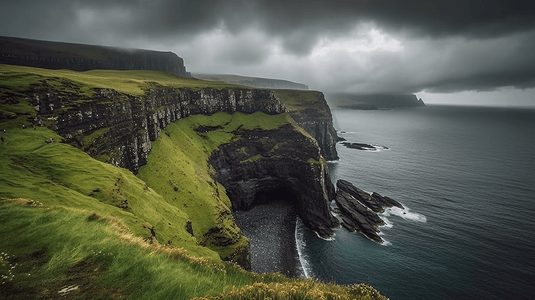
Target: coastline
{"x": 270, "y": 228}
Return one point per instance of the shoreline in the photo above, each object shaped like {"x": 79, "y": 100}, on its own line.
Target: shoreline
{"x": 270, "y": 228}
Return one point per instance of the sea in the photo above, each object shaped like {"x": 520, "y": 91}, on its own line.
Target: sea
{"x": 466, "y": 177}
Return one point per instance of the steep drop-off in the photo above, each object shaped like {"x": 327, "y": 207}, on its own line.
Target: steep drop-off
{"x": 311, "y": 112}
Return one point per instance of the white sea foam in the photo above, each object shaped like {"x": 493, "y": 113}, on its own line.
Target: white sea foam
{"x": 387, "y": 221}
{"x": 330, "y": 239}
{"x": 386, "y": 243}
{"x": 405, "y": 214}
{"x": 381, "y": 148}
{"x": 300, "y": 242}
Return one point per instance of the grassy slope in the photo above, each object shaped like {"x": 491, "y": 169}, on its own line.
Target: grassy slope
{"x": 59, "y": 243}
{"x": 177, "y": 169}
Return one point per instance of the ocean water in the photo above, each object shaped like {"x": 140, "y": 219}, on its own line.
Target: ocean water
{"x": 466, "y": 176}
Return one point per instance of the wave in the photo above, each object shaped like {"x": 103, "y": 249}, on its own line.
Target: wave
{"x": 379, "y": 148}
{"x": 301, "y": 244}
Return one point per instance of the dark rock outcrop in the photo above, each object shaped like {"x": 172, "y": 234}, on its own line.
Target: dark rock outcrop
{"x": 362, "y": 146}
{"x": 282, "y": 160}
{"x": 79, "y": 57}
{"x": 357, "y": 217}
{"x": 375, "y": 201}
{"x": 358, "y": 209}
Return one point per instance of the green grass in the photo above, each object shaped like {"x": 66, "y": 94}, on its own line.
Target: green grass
{"x": 44, "y": 250}
{"x": 51, "y": 249}
{"x": 59, "y": 175}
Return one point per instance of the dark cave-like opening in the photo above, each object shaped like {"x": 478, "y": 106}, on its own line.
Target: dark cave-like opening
{"x": 270, "y": 226}
{"x": 281, "y": 195}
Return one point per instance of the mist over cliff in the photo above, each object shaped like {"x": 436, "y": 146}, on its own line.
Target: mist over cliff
{"x": 80, "y": 57}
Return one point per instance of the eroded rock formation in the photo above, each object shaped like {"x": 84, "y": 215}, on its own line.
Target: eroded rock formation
{"x": 358, "y": 209}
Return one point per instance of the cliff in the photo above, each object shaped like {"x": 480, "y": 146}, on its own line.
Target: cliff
{"x": 311, "y": 112}
{"x": 121, "y": 126}
{"x": 79, "y": 57}
{"x": 283, "y": 161}
{"x": 257, "y": 82}
{"x": 249, "y": 162}
{"x": 70, "y": 223}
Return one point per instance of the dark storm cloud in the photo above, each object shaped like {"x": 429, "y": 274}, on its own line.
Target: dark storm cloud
{"x": 448, "y": 45}
{"x": 299, "y": 23}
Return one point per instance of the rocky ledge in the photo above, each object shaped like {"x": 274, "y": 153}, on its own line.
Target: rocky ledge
{"x": 358, "y": 209}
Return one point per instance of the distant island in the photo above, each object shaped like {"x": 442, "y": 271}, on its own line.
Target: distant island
{"x": 373, "y": 101}
{"x": 257, "y": 82}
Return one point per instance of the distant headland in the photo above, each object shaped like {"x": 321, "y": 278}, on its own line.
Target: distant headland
{"x": 80, "y": 57}
{"x": 373, "y": 101}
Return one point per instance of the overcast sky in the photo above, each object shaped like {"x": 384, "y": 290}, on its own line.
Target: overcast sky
{"x": 470, "y": 51}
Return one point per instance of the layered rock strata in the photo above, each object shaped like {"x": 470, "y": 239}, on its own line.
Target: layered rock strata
{"x": 358, "y": 209}
{"x": 122, "y": 126}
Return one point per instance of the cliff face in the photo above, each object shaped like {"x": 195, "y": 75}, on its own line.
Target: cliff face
{"x": 319, "y": 124}
{"x": 119, "y": 128}
{"x": 310, "y": 110}
{"x": 284, "y": 162}
{"x": 78, "y": 57}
